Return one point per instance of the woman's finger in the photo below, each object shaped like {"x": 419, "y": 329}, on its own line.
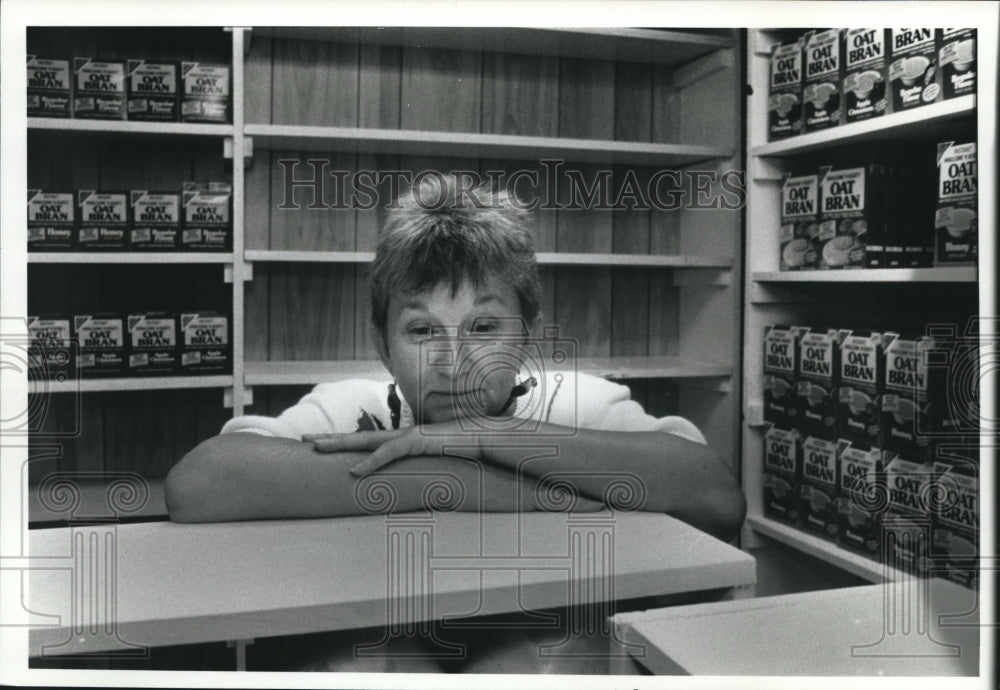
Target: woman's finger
{"x": 359, "y": 441}
{"x": 389, "y": 452}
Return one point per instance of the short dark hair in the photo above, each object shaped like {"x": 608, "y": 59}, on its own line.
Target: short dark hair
{"x": 438, "y": 232}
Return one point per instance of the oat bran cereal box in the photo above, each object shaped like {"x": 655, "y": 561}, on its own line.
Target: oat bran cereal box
{"x": 152, "y": 91}
{"x": 782, "y": 474}
{"x": 50, "y": 350}
{"x": 864, "y": 74}
{"x": 956, "y": 514}
{"x": 784, "y": 103}
{"x": 861, "y": 497}
{"x": 152, "y": 344}
{"x": 104, "y": 220}
{"x": 957, "y": 53}
{"x": 206, "y": 92}
{"x": 859, "y": 397}
{"x": 818, "y": 491}
{"x": 799, "y": 227}
{"x": 207, "y": 216}
{"x": 98, "y": 89}
{"x": 914, "y": 78}
{"x": 906, "y": 408}
{"x": 51, "y": 221}
{"x": 101, "y": 343}
{"x": 156, "y": 220}
{"x": 818, "y": 377}
{"x": 822, "y": 98}
{"x": 205, "y": 345}
{"x": 956, "y": 222}
{"x": 851, "y": 201}
{"x": 781, "y": 345}
{"x": 49, "y": 87}
{"x": 907, "y": 523}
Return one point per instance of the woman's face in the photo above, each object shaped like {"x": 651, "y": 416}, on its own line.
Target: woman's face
{"x": 455, "y": 355}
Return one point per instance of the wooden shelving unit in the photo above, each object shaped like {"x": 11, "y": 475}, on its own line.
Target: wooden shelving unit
{"x": 650, "y": 295}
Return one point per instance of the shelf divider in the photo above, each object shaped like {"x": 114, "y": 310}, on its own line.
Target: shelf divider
{"x": 543, "y": 258}
{"x": 474, "y": 145}
{"x": 938, "y": 274}
{"x": 130, "y": 257}
{"x": 820, "y": 548}
{"x": 129, "y": 384}
{"x": 615, "y": 368}
{"x": 183, "y": 129}
{"x": 911, "y": 123}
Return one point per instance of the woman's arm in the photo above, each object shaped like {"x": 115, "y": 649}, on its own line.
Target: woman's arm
{"x": 652, "y": 471}
{"x": 245, "y": 476}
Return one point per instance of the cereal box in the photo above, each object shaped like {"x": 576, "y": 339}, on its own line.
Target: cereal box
{"x": 156, "y": 220}
{"x": 49, "y": 87}
{"x": 780, "y": 359}
{"x": 799, "y": 227}
{"x": 207, "y": 216}
{"x": 101, "y": 343}
{"x": 784, "y": 104}
{"x": 818, "y": 492}
{"x": 782, "y": 473}
{"x": 205, "y": 345}
{"x": 152, "y": 91}
{"x": 859, "y": 397}
{"x": 51, "y": 221}
{"x": 852, "y": 200}
{"x": 906, "y": 525}
{"x": 50, "y": 349}
{"x": 821, "y": 96}
{"x": 864, "y": 74}
{"x": 818, "y": 377}
{"x": 152, "y": 343}
{"x": 957, "y": 53}
{"x": 956, "y": 514}
{"x": 956, "y": 226}
{"x": 905, "y": 404}
{"x": 98, "y": 89}
{"x": 914, "y": 79}
{"x": 103, "y": 220}
{"x": 861, "y": 496}
{"x": 206, "y": 92}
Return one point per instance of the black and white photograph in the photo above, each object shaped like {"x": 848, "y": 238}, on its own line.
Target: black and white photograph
{"x": 548, "y": 344}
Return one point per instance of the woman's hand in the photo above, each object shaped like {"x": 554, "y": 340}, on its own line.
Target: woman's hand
{"x": 388, "y": 446}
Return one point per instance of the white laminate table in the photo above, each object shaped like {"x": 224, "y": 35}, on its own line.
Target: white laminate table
{"x": 154, "y": 584}
{"x": 909, "y": 627}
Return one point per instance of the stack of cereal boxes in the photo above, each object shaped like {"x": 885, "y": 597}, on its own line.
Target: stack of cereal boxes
{"x": 135, "y": 89}
{"x": 853, "y": 450}
{"x": 197, "y": 218}
{"x": 829, "y": 77}
{"x": 126, "y": 345}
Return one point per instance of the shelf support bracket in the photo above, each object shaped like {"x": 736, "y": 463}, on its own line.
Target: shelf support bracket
{"x": 228, "y": 150}
{"x": 229, "y": 397}
{"x": 241, "y": 652}
{"x": 228, "y": 274}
